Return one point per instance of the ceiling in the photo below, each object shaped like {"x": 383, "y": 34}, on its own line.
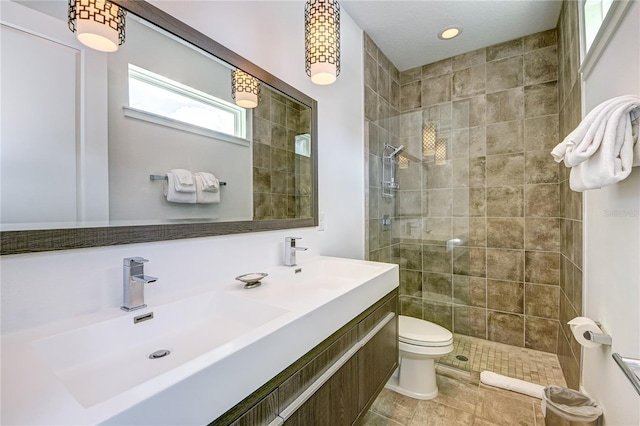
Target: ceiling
{"x": 407, "y": 31}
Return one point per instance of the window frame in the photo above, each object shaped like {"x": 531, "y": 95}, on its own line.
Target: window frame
{"x": 242, "y": 119}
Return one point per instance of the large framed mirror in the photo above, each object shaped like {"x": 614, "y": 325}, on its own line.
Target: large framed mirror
{"x": 91, "y": 140}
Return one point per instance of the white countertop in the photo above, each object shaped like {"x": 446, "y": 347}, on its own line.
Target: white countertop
{"x": 307, "y": 308}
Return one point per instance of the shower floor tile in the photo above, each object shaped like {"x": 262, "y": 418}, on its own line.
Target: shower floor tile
{"x": 463, "y": 400}
{"x": 538, "y": 367}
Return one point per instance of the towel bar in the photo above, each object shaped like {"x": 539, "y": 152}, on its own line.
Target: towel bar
{"x": 631, "y": 368}
{"x": 164, "y": 177}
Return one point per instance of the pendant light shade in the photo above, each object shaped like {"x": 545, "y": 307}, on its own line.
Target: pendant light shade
{"x": 99, "y": 24}
{"x": 322, "y": 40}
{"x": 428, "y": 139}
{"x": 245, "y": 89}
{"x": 441, "y": 152}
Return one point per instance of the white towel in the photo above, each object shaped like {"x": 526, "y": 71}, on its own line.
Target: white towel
{"x": 184, "y": 181}
{"x": 174, "y": 196}
{"x": 209, "y": 181}
{"x": 204, "y": 196}
{"x": 515, "y": 385}
{"x": 603, "y": 148}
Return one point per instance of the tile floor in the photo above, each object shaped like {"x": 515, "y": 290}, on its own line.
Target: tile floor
{"x": 463, "y": 400}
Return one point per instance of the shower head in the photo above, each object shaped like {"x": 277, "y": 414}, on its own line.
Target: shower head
{"x": 395, "y": 150}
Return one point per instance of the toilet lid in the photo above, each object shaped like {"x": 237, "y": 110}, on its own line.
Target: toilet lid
{"x": 423, "y": 333}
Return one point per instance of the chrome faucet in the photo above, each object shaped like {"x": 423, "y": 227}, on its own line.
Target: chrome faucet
{"x": 134, "y": 280}
{"x": 290, "y": 250}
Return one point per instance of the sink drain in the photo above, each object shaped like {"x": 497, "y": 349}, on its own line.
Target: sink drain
{"x": 159, "y": 354}
{"x": 462, "y": 358}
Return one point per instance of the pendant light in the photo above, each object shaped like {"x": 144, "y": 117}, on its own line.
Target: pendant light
{"x": 441, "y": 152}
{"x": 245, "y": 89}
{"x": 99, "y": 24}
{"x": 322, "y": 40}
{"x": 428, "y": 139}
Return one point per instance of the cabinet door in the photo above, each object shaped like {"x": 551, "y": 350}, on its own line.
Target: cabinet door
{"x": 261, "y": 414}
{"x": 377, "y": 359}
{"x": 334, "y": 404}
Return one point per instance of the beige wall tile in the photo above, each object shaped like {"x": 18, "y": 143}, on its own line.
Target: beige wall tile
{"x": 541, "y": 99}
{"x": 505, "y": 170}
{"x": 505, "y": 233}
{"x": 469, "y": 82}
{"x": 410, "y": 95}
{"x": 507, "y": 296}
{"x": 436, "y": 90}
{"x": 542, "y": 267}
{"x": 437, "y": 68}
{"x": 507, "y": 105}
{"x": 506, "y": 201}
{"x": 504, "y": 74}
{"x": 542, "y": 234}
{"x": 541, "y": 133}
{"x": 506, "y": 137}
{"x": 541, "y": 65}
{"x": 469, "y": 59}
{"x": 542, "y": 301}
{"x": 503, "y": 264}
{"x": 505, "y": 328}
{"x": 540, "y": 40}
{"x": 542, "y": 200}
{"x": 541, "y": 334}
{"x": 504, "y": 50}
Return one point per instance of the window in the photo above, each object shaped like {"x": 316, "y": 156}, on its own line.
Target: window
{"x": 159, "y": 96}
{"x": 594, "y": 13}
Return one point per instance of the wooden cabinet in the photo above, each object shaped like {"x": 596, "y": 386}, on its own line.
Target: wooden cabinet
{"x": 335, "y": 383}
{"x": 261, "y": 414}
{"x": 334, "y": 404}
{"x": 378, "y": 358}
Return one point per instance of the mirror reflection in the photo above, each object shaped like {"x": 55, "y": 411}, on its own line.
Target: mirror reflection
{"x": 148, "y": 134}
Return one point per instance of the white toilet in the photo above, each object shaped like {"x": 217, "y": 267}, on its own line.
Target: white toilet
{"x": 421, "y": 344}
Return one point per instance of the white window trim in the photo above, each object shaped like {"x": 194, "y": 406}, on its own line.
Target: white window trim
{"x": 615, "y": 15}
{"x": 183, "y": 126}
{"x": 242, "y": 126}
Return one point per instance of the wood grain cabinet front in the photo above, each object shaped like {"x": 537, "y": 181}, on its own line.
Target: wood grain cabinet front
{"x": 336, "y": 382}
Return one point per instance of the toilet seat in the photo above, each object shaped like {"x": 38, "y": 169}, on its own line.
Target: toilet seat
{"x": 414, "y": 331}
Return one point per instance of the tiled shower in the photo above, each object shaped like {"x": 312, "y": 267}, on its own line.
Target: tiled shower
{"x": 478, "y": 236}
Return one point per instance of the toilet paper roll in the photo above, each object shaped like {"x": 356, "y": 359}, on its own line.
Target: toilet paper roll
{"x": 579, "y": 326}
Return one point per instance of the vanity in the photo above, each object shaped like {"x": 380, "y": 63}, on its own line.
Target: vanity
{"x": 313, "y": 344}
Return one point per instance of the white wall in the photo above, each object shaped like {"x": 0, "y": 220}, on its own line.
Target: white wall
{"x": 42, "y": 287}
{"x": 612, "y": 241}
{"x": 41, "y": 59}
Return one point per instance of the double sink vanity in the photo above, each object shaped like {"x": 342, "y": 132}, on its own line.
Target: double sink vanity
{"x": 318, "y": 340}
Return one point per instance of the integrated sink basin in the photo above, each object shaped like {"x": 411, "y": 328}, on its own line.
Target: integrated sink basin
{"x": 211, "y": 348}
{"x": 101, "y": 360}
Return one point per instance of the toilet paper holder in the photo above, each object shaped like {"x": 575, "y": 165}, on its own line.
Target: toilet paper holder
{"x": 601, "y": 338}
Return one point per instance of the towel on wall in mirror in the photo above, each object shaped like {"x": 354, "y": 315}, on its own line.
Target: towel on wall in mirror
{"x": 203, "y": 194}
{"x": 604, "y": 147}
{"x": 174, "y": 196}
{"x": 209, "y": 182}
{"x": 184, "y": 180}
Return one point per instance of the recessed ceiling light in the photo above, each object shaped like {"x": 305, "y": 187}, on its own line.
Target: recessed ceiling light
{"x": 449, "y": 33}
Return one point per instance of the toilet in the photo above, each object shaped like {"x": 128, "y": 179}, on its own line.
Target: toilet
{"x": 421, "y": 344}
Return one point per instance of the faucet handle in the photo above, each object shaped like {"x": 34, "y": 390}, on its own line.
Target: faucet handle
{"x": 133, "y": 261}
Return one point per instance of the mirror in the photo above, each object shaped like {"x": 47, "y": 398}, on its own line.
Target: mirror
{"x": 93, "y": 171}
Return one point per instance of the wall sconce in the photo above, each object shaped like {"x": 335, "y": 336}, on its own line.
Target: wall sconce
{"x": 428, "y": 139}
{"x": 99, "y": 24}
{"x": 245, "y": 89}
{"x": 441, "y": 152}
{"x": 322, "y": 40}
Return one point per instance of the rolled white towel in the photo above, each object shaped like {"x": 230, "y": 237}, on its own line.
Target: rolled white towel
{"x": 209, "y": 182}
{"x": 173, "y": 196}
{"x": 203, "y": 196}
{"x": 183, "y": 180}
{"x": 516, "y": 385}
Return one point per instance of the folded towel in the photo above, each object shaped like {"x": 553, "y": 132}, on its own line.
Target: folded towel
{"x": 174, "y": 196}
{"x": 204, "y": 196}
{"x": 184, "y": 181}
{"x": 209, "y": 181}
{"x": 603, "y": 148}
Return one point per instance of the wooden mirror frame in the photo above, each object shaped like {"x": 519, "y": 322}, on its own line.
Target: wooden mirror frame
{"x": 31, "y": 241}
